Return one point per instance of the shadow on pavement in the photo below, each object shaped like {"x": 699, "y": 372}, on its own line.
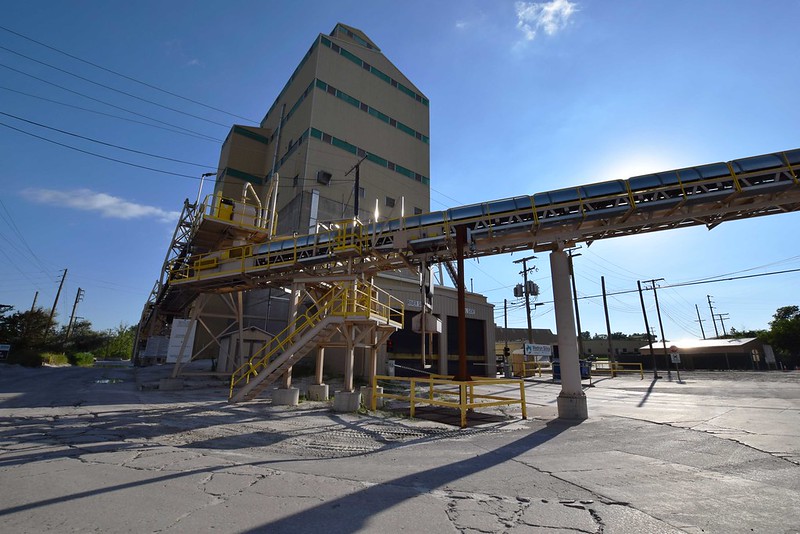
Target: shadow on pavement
{"x": 352, "y": 512}
{"x": 647, "y": 393}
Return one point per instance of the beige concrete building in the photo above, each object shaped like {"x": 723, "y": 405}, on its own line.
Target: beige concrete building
{"x": 347, "y": 103}
{"x": 344, "y": 102}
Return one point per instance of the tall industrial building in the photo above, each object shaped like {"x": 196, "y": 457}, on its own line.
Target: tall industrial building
{"x": 344, "y": 103}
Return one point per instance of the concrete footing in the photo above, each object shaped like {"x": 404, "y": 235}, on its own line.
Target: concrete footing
{"x": 286, "y": 397}
{"x": 318, "y": 392}
{"x": 572, "y": 407}
{"x": 170, "y": 384}
{"x": 366, "y": 397}
{"x": 347, "y": 401}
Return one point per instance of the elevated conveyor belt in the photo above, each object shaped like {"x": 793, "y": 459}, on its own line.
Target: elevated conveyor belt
{"x": 704, "y": 195}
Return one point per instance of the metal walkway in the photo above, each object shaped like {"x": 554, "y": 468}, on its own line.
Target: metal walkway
{"x": 705, "y": 195}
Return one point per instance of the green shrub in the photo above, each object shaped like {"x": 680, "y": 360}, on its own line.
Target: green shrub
{"x": 82, "y": 359}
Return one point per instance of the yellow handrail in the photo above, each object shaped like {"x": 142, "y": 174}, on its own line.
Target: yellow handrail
{"x": 345, "y": 300}
{"x": 293, "y": 330}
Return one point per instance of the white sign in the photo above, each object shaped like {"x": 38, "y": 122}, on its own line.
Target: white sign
{"x": 675, "y": 357}
{"x": 533, "y": 349}
{"x": 180, "y": 327}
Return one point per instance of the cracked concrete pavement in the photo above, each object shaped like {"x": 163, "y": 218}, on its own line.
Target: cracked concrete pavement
{"x": 88, "y": 450}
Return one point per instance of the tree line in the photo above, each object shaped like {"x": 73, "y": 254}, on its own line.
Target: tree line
{"x": 36, "y": 339}
{"x": 783, "y": 335}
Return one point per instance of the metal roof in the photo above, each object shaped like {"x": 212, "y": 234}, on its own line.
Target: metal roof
{"x": 703, "y": 345}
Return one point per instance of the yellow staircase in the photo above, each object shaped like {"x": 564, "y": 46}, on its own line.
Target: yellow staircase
{"x": 352, "y": 300}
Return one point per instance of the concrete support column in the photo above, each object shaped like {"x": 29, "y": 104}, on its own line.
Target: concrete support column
{"x": 571, "y": 400}
{"x": 318, "y": 391}
{"x": 320, "y": 365}
{"x": 373, "y": 363}
{"x": 349, "y": 360}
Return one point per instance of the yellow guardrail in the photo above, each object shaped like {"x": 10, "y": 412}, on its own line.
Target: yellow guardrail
{"x": 356, "y": 298}
{"x": 532, "y": 368}
{"x": 439, "y": 388}
{"x": 616, "y": 367}
{"x": 246, "y": 214}
{"x": 525, "y": 368}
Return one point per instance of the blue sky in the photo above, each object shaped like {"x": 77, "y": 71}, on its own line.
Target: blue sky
{"x": 525, "y": 97}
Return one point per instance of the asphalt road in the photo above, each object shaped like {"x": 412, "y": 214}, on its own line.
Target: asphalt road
{"x": 88, "y": 450}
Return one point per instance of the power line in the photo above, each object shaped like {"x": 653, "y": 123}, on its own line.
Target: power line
{"x": 691, "y": 283}
{"x": 102, "y": 101}
{"x": 107, "y": 144}
{"x": 100, "y": 155}
{"x": 173, "y": 130}
{"x": 125, "y": 76}
{"x": 120, "y": 91}
{"x": 10, "y": 221}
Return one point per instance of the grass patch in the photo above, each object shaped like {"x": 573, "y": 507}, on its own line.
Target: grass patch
{"x": 54, "y": 358}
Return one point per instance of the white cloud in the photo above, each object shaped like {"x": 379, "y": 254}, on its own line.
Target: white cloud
{"x": 550, "y": 17}
{"x": 102, "y": 203}
{"x": 194, "y": 63}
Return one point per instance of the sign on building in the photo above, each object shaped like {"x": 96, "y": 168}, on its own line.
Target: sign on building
{"x": 538, "y": 351}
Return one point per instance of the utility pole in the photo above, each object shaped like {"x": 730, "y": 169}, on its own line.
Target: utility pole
{"x": 505, "y": 319}
{"x": 711, "y": 309}
{"x": 661, "y": 327}
{"x": 575, "y": 299}
{"x": 357, "y": 186}
{"x": 699, "y": 320}
{"x": 78, "y": 298}
{"x": 611, "y": 357}
{"x": 524, "y": 273}
{"x": 30, "y": 316}
{"x": 721, "y": 317}
{"x": 506, "y": 352}
{"x": 55, "y": 303}
{"x": 647, "y": 329}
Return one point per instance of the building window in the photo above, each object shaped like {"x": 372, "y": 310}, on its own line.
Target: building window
{"x": 417, "y": 211}
{"x": 324, "y": 177}
{"x": 361, "y": 193}
{"x": 389, "y": 202}
{"x": 296, "y": 180}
